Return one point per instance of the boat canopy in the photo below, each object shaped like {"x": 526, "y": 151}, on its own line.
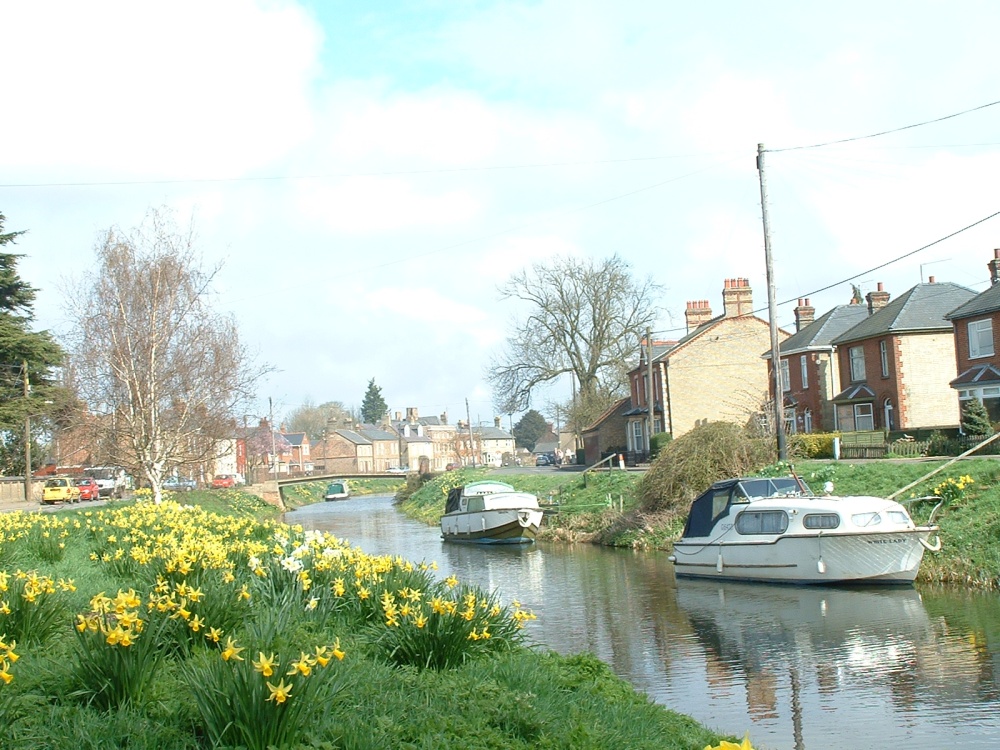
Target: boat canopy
{"x": 714, "y": 502}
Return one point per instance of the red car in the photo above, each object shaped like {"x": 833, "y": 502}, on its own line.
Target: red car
{"x": 223, "y": 481}
{"x": 88, "y": 488}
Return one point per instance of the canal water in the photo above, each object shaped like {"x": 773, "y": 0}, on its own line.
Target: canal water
{"x": 796, "y": 667}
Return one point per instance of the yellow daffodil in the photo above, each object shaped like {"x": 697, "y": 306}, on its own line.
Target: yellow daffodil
{"x": 337, "y": 652}
{"x": 231, "y": 651}
{"x": 724, "y": 745}
{"x": 265, "y": 664}
{"x": 451, "y": 582}
{"x": 214, "y": 635}
{"x": 303, "y": 666}
{"x": 280, "y": 692}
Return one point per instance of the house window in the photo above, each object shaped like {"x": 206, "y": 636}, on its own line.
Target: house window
{"x": 638, "y": 439}
{"x": 980, "y": 338}
{"x": 786, "y": 384}
{"x": 807, "y": 421}
{"x": 857, "y": 354}
{"x": 855, "y": 417}
{"x": 883, "y": 352}
{"x": 864, "y": 418}
{"x": 990, "y": 396}
{"x": 804, "y": 370}
{"x": 887, "y": 420}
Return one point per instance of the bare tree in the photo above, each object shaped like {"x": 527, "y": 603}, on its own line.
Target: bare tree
{"x": 585, "y": 318}
{"x": 316, "y": 421}
{"x": 165, "y": 374}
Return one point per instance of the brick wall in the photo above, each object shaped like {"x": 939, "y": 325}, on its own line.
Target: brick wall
{"x": 962, "y": 344}
{"x": 720, "y": 375}
{"x": 927, "y": 364}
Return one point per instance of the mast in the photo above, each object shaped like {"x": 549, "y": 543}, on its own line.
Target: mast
{"x": 772, "y": 316}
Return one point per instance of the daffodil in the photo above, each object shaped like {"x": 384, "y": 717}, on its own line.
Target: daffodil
{"x": 231, "y": 651}
{"x": 280, "y": 692}
{"x": 265, "y": 664}
{"x": 337, "y": 652}
{"x": 303, "y": 666}
{"x": 214, "y": 635}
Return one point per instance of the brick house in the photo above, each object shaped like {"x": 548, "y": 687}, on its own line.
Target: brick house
{"x": 347, "y": 452}
{"x": 638, "y": 415}
{"x": 385, "y": 447}
{"x": 975, "y": 325}
{"x": 714, "y": 373}
{"x": 606, "y": 433}
{"x": 426, "y": 439}
{"x": 897, "y": 362}
{"x": 295, "y": 452}
{"x": 810, "y": 374}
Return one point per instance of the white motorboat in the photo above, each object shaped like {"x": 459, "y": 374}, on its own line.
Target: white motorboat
{"x": 776, "y": 529}
{"x": 490, "y": 513}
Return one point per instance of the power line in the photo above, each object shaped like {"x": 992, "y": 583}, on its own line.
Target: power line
{"x": 885, "y": 132}
{"x": 343, "y": 175}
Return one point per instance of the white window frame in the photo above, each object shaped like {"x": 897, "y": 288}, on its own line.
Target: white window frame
{"x": 980, "y": 338}
{"x": 883, "y": 352}
{"x": 638, "y": 435}
{"x": 786, "y": 380}
{"x": 807, "y": 421}
{"x": 804, "y": 370}
{"x": 865, "y": 411}
{"x": 857, "y": 358}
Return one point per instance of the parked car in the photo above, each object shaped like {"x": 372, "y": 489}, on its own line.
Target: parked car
{"x": 542, "y": 460}
{"x": 89, "y": 489}
{"x": 452, "y": 466}
{"x": 223, "y": 481}
{"x": 179, "y": 484}
{"x": 60, "y": 490}
{"x": 397, "y": 470}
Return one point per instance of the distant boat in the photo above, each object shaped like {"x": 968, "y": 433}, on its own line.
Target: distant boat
{"x": 777, "y": 530}
{"x": 337, "y": 490}
{"x": 490, "y": 513}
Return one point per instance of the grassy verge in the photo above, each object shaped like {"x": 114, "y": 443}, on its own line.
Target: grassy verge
{"x": 306, "y": 493}
{"x": 230, "y": 629}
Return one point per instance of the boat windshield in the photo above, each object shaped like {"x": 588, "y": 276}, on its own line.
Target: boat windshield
{"x": 753, "y": 489}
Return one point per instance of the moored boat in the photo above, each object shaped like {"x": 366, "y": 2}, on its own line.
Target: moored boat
{"x": 778, "y": 530}
{"x": 337, "y": 490}
{"x": 490, "y": 513}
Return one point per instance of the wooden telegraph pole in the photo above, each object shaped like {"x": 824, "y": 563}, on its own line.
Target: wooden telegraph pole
{"x": 772, "y": 316}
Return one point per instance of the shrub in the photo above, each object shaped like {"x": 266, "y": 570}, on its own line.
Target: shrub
{"x": 657, "y": 442}
{"x": 812, "y": 444}
{"x": 692, "y": 462}
{"x": 975, "y": 418}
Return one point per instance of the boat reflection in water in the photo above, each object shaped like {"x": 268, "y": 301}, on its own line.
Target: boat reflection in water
{"x": 797, "y": 652}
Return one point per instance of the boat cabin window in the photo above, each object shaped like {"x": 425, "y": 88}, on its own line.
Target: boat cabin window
{"x": 476, "y": 503}
{"x": 866, "y": 519}
{"x": 762, "y": 522}
{"x": 750, "y": 489}
{"x": 821, "y": 521}
{"x": 898, "y": 516}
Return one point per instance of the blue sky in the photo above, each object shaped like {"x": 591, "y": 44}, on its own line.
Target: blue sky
{"x": 367, "y": 174}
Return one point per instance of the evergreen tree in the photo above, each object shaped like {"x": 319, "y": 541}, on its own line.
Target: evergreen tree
{"x": 374, "y": 407}
{"x": 529, "y": 429}
{"x": 975, "y": 418}
{"x": 27, "y": 361}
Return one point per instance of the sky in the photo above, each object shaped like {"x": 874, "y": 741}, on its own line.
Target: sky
{"x": 365, "y": 175}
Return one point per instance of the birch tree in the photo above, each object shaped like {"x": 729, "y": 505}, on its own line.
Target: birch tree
{"x": 166, "y": 374}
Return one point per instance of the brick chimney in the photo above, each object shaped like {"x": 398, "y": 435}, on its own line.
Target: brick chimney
{"x": 737, "y": 298}
{"x": 697, "y": 313}
{"x": 444, "y": 417}
{"x": 496, "y": 422}
{"x": 994, "y": 266}
{"x": 411, "y": 414}
{"x": 804, "y": 314}
{"x": 877, "y": 299}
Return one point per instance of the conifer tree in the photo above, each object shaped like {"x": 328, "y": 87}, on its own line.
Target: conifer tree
{"x": 975, "y": 418}
{"x": 374, "y": 407}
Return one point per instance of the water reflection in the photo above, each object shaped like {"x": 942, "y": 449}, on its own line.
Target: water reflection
{"x": 799, "y": 667}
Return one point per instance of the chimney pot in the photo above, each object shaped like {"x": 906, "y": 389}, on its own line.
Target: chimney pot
{"x": 930, "y": 279}
{"x": 880, "y": 287}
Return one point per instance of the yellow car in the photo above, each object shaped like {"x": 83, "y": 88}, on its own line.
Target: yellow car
{"x": 60, "y": 490}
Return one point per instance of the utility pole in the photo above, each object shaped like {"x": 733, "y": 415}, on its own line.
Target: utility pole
{"x": 472, "y": 445}
{"x": 772, "y": 316}
{"x": 27, "y": 432}
{"x": 270, "y": 424}
{"x": 649, "y": 390}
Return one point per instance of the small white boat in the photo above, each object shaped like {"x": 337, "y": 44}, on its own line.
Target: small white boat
{"x": 490, "y": 513}
{"x": 776, "y": 529}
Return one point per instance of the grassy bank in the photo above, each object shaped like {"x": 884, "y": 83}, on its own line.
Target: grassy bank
{"x": 604, "y": 508}
{"x": 170, "y": 626}
{"x": 307, "y": 493}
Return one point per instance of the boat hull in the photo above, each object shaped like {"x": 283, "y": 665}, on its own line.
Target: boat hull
{"x": 508, "y": 526}
{"x": 882, "y": 558}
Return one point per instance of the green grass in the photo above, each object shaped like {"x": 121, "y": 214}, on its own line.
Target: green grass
{"x": 511, "y": 696}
